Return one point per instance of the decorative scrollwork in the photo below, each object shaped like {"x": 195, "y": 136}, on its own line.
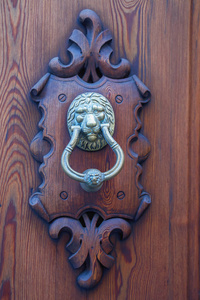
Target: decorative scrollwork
{"x": 91, "y": 122}
{"x": 90, "y": 244}
{"x": 90, "y": 53}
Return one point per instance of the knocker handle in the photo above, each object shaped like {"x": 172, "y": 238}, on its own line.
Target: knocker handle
{"x": 92, "y": 179}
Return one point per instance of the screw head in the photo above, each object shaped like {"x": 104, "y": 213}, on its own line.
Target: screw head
{"x": 62, "y": 97}
{"x": 64, "y": 195}
{"x": 120, "y": 195}
{"x": 119, "y": 99}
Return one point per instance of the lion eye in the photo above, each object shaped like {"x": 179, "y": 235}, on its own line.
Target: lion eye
{"x": 100, "y": 108}
{"x": 101, "y": 116}
{"x": 97, "y": 108}
{"x": 79, "y": 118}
{"x": 80, "y": 110}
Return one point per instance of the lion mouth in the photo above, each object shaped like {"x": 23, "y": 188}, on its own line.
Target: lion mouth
{"x": 91, "y": 137}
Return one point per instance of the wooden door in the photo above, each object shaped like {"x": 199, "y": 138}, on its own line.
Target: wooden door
{"x": 160, "y": 258}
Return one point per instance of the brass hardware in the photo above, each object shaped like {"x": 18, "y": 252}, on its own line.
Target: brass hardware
{"x": 89, "y": 111}
{"x": 92, "y": 179}
{"x": 91, "y": 115}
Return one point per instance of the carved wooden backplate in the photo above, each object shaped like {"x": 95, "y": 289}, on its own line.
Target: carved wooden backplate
{"x": 90, "y": 217}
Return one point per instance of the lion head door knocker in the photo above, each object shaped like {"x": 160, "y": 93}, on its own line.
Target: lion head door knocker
{"x": 91, "y": 124}
{"x": 90, "y": 148}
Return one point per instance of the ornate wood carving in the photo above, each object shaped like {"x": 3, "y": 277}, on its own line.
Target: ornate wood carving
{"x": 90, "y": 53}
{"x": 90, "y": 244}
{"x": 90, "y": 217}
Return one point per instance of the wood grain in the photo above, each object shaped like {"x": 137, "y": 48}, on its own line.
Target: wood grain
{"x": 160, "y": 259}
{"x": 194, "y": 150}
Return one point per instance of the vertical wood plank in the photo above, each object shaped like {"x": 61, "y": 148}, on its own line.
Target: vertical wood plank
{"x": 23, "y": 239}
{"x": 164, "y": 33}
{"x": 194, "y": 142}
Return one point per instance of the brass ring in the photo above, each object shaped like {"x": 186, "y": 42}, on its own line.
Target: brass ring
{"x": 92, "y": 180}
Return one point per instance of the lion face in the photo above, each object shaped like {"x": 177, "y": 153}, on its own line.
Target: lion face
{"x": 89, "y": 117}
{"x": 89, "y": 111}
{"x": 93, "y": 177}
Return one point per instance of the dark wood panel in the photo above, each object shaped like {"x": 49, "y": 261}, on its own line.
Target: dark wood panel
{"x": 159, "y": 260}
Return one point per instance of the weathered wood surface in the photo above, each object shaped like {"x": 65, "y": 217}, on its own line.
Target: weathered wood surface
{"x": 160, "y": 259}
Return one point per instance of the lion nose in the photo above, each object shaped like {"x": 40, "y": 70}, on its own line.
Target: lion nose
{"x": 91, "y": 121}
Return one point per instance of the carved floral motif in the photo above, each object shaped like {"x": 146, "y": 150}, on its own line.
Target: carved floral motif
{"x": 90, "y": 244}
{"x": 90, "y": 53}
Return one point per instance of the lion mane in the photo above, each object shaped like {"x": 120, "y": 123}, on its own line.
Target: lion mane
{"x": 87, "y": 98}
